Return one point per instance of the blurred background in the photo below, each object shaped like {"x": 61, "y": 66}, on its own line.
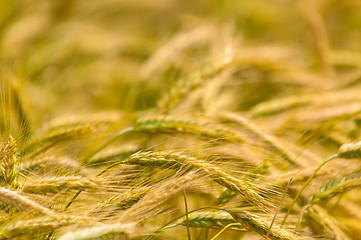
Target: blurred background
{"x": 66, "y": 57}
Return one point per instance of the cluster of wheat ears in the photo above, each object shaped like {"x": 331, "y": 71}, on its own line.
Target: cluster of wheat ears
{"x": 139, "y": 120}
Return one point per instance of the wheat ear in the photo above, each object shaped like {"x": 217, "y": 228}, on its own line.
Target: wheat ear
{"x": 208, "y": 219}
{"x": 8, "y": 163}
{"x": 36, "y": 225}
{"x": 336, "y": 187}
{"x": 350, "y": 150}
{"x": 194, "y": 81}
{"x": 20, "y": 202}
{"x": 257, "y": 224}
{"x": 240, "y": 186}
{"x": 43, "y": 143}
{"x": 56, "y": 184}
{"x": 202, "y": 127}
{"x": 272, "y": 141}
{"x": 102, "y": 231}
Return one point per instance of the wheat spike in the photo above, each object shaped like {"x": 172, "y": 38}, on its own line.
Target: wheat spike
{"x": 272, "y": 141}
{"x": 350, "y": 150}
{"x": 57, "y": 184}
{"x": 257, "y": 224}
{"x": 124, "y": 200}
{"x": 195, "y": 126}
{"x": 36, "y": 226}
{"x": 226, "y": 196}
{"x": 160, "y": 193}
{"x": 187, "y": 85}
{"x": 208, "y": 219}
{"x": 22, "y": 203}
{"x": 43, "y": 143}
{"x": 8, "y": 164}
{"x": 336, "y": 187}
{"x": 240, "y": 186}
{"x": 132, "y": 196}
{"x": 102, "y": 231}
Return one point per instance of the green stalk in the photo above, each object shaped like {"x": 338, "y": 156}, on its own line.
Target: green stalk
{"x": 304, "y": 187}
{"x": 224, "y": 229}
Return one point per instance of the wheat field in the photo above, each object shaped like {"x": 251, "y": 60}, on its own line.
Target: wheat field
{"x": 184, "y": 119}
